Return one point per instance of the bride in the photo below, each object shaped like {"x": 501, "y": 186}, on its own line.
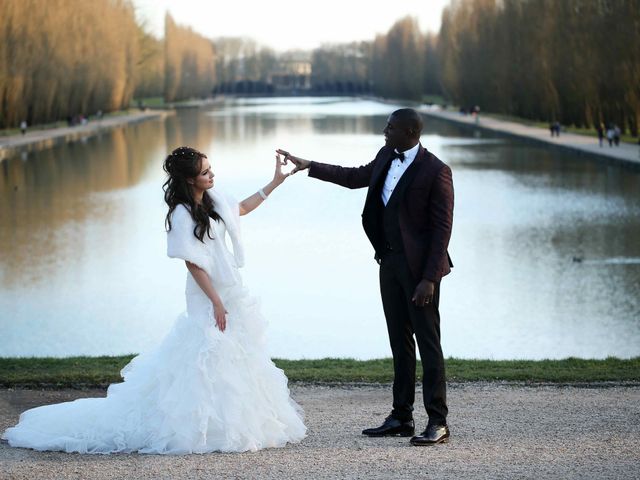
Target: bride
{"x": 210, "y": 384}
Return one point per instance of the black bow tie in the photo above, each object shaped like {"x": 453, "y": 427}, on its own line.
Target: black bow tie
{"x": 397, "y": 155}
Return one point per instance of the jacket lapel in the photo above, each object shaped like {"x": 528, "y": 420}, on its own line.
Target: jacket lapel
{"x": 380, "y": 169}
{"x": 409, "y": 174}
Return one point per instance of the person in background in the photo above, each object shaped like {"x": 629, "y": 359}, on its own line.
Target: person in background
{"x": 610, "y": 135}
{"x": 600, "y": 130}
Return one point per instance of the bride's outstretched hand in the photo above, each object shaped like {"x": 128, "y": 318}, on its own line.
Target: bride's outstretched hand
{"x": 300, "y": 163}
{"x": 279, "y": 176}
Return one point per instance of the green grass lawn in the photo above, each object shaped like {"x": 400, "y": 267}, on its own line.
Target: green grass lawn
{"x": 434, "y": 100}
{"x": 158, "y": 102}
{"x": 86, "y": 372}
{"x": 150, "y": 102}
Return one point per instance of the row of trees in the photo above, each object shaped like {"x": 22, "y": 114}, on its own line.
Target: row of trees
{"x": 189, "y": 63}
{"x": 344, "y": 68}
{"x": 242, "y": 59}
{"x": 63, "y": 58}
{"x": 575, "y": 61}
{"x": 399, "y": 61}
{"x": 399, "y": 64}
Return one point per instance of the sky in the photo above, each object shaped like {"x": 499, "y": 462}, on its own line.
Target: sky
{"x": 290, "y": 24}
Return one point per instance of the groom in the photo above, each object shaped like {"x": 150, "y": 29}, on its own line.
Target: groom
{"x": 407, "y": 216}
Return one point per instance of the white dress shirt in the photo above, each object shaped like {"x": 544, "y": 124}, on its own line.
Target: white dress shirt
{"x": 396, "y": 170}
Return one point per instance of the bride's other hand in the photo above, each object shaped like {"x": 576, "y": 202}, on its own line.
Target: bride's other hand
{"x": 300, "y": 163}
{"x": 279, "y": 176}
{"x": 204, "y": 282}
{"x": 220, "y": 314}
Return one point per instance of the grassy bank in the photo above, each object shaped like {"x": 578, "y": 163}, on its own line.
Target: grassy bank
{"x": 159, "y": 103}
{"x": 85, "y": 372}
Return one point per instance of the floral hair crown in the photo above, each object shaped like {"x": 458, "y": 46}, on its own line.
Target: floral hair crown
{"x": 187, "y": 151}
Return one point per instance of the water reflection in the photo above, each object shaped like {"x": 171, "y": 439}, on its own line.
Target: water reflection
{"x": 54, "y": 192}
{"x": 546, "y": 244}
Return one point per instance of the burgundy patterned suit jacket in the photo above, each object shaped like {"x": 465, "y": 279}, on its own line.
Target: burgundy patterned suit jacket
{"x": 425, "y": 212}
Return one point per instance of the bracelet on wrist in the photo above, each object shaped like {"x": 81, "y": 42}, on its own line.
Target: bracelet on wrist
{"x": 262, "y": 194}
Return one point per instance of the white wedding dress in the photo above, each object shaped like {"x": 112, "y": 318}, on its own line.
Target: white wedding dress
{"x": 200, "y": 390}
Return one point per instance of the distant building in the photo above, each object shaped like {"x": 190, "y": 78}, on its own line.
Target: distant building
{"x": 292, "y": 73}
{"x": 285, "y": 74}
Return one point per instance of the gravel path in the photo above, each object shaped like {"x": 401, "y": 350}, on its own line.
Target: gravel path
{"x": 498, "y": 431}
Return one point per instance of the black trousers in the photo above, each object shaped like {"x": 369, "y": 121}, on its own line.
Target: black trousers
{"x": 404, "y": 320}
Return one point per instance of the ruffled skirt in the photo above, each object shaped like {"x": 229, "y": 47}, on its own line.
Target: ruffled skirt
{"x": 200, "y": 390}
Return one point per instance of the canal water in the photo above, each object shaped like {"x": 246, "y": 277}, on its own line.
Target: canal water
{"x": 546, "y": 243}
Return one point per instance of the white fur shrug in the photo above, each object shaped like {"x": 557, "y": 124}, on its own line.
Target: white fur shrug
{"x": 182, "y": 243}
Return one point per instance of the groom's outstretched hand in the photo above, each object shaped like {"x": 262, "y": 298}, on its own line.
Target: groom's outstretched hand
{"x": 423, "y": 294}
{"x": 300, "y": 163}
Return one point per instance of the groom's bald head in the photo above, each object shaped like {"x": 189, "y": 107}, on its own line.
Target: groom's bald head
{"x": 403, "y": 129}
{"x": 410, "y": 120}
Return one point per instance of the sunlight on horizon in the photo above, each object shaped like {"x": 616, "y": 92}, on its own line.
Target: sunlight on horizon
{"x": 289, "y": 24}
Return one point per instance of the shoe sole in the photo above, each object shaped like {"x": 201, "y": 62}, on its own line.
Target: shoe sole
{"x": 442, "y": 440}
{"x": 403, "y": 434}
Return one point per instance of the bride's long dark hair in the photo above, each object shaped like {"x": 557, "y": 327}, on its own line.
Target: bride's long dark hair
{"x": 183, "y": 164}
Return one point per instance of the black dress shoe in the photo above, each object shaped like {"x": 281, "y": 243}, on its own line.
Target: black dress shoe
{"x": 432, "y": 435}
{"x": 392, "y": 427}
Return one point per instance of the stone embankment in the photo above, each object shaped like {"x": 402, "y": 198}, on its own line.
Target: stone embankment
{"x": 626, "y": 152}
{"x": 39, "y": 139}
